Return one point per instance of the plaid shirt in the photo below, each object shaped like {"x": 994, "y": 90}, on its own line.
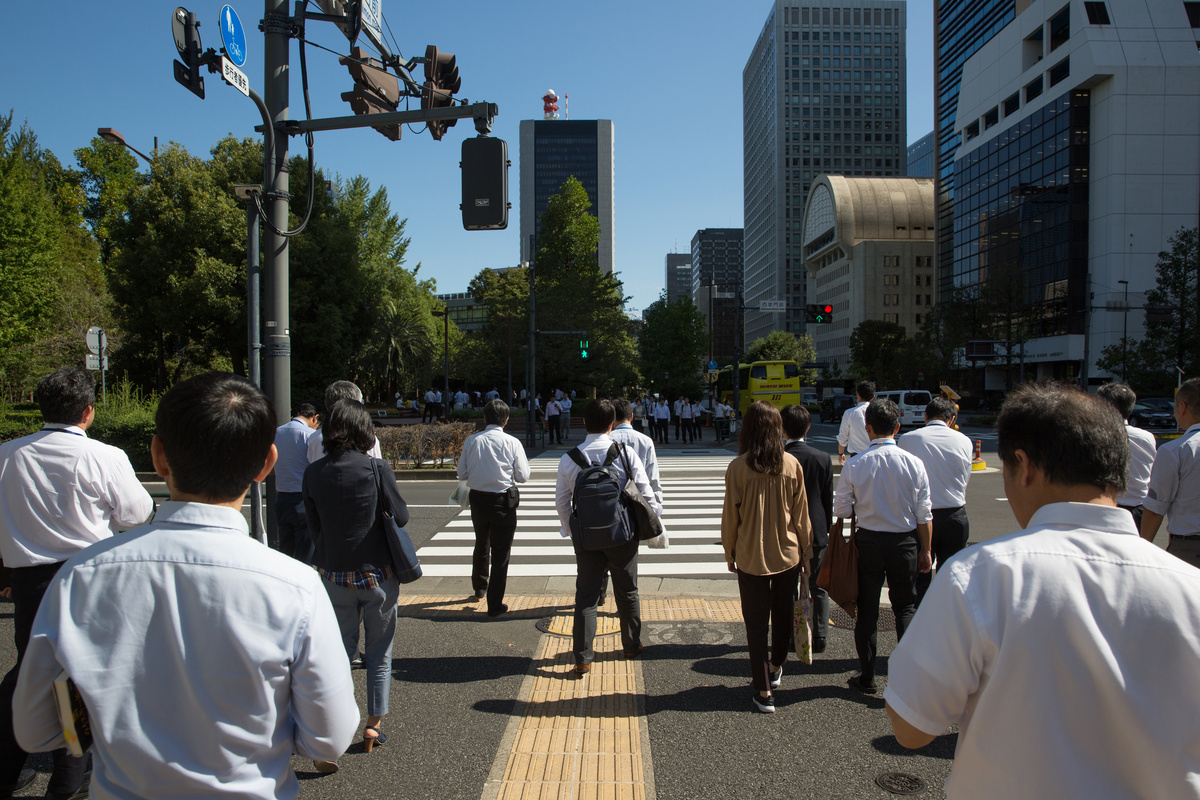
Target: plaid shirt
{"x": 357, "y": 580}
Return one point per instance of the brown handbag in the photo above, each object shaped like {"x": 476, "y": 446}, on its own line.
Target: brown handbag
{"x": 839, "y": 570}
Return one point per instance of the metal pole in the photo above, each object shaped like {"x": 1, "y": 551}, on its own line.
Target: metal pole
{"x": 278, "y": 349}
{"x": 103, "y": 367}
{"x": 531, "y": 373}
{"x": 253, "y": 354}
{"x": 737, "y": 356}
{"x": 446, "y": 351}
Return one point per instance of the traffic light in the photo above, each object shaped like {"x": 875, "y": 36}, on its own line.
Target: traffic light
{"x": 583, "y": 349}
{"x": 184, "y": 26}
{"x": 818, "y": 313}
{"x": 484, "y": 184}
{"x": 376, "y": 90}
{"x": 441, "y": 82}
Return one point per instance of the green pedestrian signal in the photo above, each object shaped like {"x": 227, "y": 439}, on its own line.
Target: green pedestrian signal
{"x": 583, "y": 349}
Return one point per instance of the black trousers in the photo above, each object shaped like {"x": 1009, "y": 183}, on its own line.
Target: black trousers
{"x": 820, "y": 597}
{"x": 890, "y": 556}
{"x": 292, "y": 522}
{"x": 951, "y": 529}
{"x": 689, "y": 430}
{"x": 591, "y": 567}
{"x": 495, "y": 524}
{"x": 28, "y": 586}
{"x": 555, "y": 430}
{"x": 662, "y": 430}
{"x": 637, "y": 425}
{"x": 767, "y": 599}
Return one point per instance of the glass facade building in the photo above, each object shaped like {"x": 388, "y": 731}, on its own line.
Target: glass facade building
{"x": 922, "y": 157}
{"x": 678, "y": 276}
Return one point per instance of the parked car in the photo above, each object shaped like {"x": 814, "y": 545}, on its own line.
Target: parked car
{"x": 835, "y": 405}
{"x": 1158, "y": 404}
{"x": 1145, "y": 416}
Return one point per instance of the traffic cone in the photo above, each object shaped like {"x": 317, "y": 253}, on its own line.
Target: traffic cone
{"x": 977, "y": 463}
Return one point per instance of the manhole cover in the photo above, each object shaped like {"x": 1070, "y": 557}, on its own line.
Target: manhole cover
{"x": 563, "y": 624}
{"x": 900, "y": 783}
{"x": 707, "y": 633}
{"x": 840, "y": 619}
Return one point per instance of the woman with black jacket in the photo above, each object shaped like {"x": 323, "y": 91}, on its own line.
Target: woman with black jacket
{"x": 341, "y": 496}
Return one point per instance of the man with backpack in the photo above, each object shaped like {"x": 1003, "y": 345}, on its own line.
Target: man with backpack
{"x": 592, "y": 512}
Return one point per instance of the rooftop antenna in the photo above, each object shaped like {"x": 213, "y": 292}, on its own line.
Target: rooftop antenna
{"x": 549, "y": 105}
{"x": 566, "y": 106}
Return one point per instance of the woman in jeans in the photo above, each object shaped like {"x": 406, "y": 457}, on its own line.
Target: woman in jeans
{"x": 341, "y": 496}
{"x": 767, "y": 538}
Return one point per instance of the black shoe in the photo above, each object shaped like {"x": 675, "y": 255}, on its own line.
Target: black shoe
{"x": 764, "y": 704}
{"x": 503, "y": 609}
{"x": 818, "y": 646}
{"x": 26, "y": 777}
{"x": 480, "y": 594}
{"x": 78, "y": 794}
{"x": 865, "y": 687}
{"x": 357, "y": 662}
{"x": 776, "y": 677}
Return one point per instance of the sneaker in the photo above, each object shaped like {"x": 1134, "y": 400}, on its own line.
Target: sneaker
{"x": 866, "y": 687}
{"x": 776, "y": 677}
{"x": 357, "y": 662}
{"x": 764, "y": 704}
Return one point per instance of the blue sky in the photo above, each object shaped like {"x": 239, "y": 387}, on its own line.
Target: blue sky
{"x": 668, "y": 73}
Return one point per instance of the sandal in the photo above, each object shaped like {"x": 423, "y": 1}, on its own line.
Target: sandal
{"x": 371, "y": 741}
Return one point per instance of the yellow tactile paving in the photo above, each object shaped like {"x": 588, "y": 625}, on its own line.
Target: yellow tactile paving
{"x": 657, "y": 609}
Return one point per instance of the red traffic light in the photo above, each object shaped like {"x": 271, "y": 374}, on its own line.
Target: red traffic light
{"x": 828, "y": 309}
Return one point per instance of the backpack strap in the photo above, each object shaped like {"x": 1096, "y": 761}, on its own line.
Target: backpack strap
{"x": 614, "y": 450}
{"x": 625, "y": 461}
{"x": 578, "y": 458}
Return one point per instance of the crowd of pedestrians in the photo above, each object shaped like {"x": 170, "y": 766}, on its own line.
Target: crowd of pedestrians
{"x": 1062, "y": 651}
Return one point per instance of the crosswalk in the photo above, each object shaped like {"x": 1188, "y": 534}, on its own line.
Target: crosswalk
{"x": 693, "y": 493}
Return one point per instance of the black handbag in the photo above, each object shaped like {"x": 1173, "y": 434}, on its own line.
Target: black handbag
{"x": 646, "y": 524}
{"x": 405, "y": 564}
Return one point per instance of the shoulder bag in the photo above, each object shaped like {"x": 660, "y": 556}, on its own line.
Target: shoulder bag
{"x": 839, "y": 569}
{"x": 646, "y": 524}
{"x": 404, "y": 556}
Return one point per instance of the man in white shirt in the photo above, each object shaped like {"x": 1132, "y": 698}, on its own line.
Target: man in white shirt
{"x": 888, "y": 491}
{"x": 698, "y": 411}
{"x": 677, "y": 412}
{"x": 1174, "y": 491}
{"x": 852, "y": 435}
{"x": 339, "y": 390}
{"x": 205, "y": 659}
{"x": 947, "y": 456}
{"x": 427, "y": 413}
{"x": 553, "y": 419}
{"x": 620, "y": 560}
{"x": 662, "y": 421}
{"x": 60, "y": 492}
{"x": 494, "y": 394}
{"x": 1065, "y": 652}
{"x": 291, "y": 522}
{"x": 639, "y": 443}
{"x": 565, "y": 404}
{"x": 493, "y": 463}
{"x": 1142, "y": 450}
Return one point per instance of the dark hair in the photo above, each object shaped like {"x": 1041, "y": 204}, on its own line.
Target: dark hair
{"x": 348, "y": 427}
{"x": 883, "y": 416}
{"x": 598, "y": 416}
{"x": 941, "y": 408}
{"x": 341, "y": 390}
{"x": 761, "y": 439}
{"x": 796, "y": 421}
{"x": 1189, "y": 393}
{"x": 305, "y": 410}
{"x": 495, "y": 412}
{"x": 216, "y": 430}
{"x": 1074, "y": 438}
{"x": 865, "y": 390}
{"x": 1120, "y": 396}
{"x": 622, "y": 410}
{"x": 65, "y": 394}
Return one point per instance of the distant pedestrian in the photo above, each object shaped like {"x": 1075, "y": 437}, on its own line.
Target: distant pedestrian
{"x": 887, "y": 490}
{"x": 1142, "y": 450}
{"x": 565, "y": 404}
{"x": 767, "y": 537}
{"x": 493, "y": 463}
{"x": 1065, "y": 653}
{"x": 1174, "y": 490}
{"x": 339, "y": 390}
{"x": 205, "y": 659}
{"x": 685, "y": 415}
{"x": 852, "y": 436}
{"x": 291, "y": 444}
{"x": 818, "y": 490}
{"x": 554, "y": 420}
{"x": 60, "y": 491}
{"x": 677, "y": 415}
{"x": 662, "y": 420}
{"x": 427, "y": 411}
{"x": 947, "y": 456}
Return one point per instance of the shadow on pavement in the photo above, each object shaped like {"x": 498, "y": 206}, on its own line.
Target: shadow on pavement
{"x": 941, "y": 747}
{"x": 458, "y": 669}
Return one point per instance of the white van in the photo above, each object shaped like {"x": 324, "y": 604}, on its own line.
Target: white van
{"x": 912, "y": 404}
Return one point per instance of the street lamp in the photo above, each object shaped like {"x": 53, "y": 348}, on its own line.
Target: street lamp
{"x": 114, "y": 136}
{"x": 445, "y": 315}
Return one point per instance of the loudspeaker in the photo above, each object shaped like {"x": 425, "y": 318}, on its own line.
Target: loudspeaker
{"x": 484, "y": 184}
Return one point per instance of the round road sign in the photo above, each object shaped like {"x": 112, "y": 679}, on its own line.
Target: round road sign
{"x": 232, "y": 36}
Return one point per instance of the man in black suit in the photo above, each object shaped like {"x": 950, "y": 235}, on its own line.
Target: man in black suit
{"x": 818, "y": 485}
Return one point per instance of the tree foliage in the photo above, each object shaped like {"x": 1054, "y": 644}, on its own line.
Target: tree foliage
{"x": 673, "y": 341}
{"x": 784, "y": 346}
{"x": 881, "y": 352}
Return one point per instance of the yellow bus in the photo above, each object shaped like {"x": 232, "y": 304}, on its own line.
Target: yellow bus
{"x": 776, "y": 382}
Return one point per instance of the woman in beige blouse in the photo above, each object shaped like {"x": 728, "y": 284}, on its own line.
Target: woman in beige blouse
{"x": 767, "y": 539}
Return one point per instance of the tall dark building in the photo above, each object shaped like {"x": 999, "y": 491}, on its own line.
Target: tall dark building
{"x": 716, "y": 279}
{"x": 678, "y": 276}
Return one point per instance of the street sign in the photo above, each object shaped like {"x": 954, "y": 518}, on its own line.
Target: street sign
{"x": 773, "y": 305}
{"x": 179, "y": 31}
{"x": 233, "y": 36}
{"x": 93, "y": 362}
{"x": 93, "y": 339}
{"x": 371, "y": 19}
{"x": 712, "y": 365}
{"x": 234, "y": 76}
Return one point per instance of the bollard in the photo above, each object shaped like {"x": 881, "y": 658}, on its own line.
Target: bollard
{"x": 977, "y": 462}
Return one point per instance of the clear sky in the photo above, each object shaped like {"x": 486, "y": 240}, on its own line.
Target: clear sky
{"x": 668, "y": 73}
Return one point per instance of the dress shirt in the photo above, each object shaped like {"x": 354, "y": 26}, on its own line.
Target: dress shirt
{"x": 676, "y": 406}
{"x": 852, "y": 435}
{"x": 291, "y": 442}
{"x": 643, "y": 445}
{"x": 492, "y": 461}
{"x": 594, "y": 448}
{"x": 205, "y": 660}
{"x": 698, "y": 411}
{"x": 316, "y": 447}
{"x": 1142, "y": 450}
{"x": 662, "y": 411}
{"x": 553, "y": 408}
{"x": 886, "y": 488}
{"x": 61, "y": 491}
{"x": 1067, "y": 655}
{"x": 947, "y": 456}
{"x": 1175, "y": 483}
{"x": 565, "y": 404}
{"x": 492, "y": 395}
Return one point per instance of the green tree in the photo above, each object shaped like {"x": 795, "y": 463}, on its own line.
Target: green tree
{"x": 108, "y": 175}
{"x": 784, "y": 346}
{"x": 673, "y": 340}
{"x": 485, "y": 353}
{"x": 881, "y": 352}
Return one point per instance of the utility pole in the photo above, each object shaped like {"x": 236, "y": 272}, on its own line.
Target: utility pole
{"x": 531, "y": 372}
{"x": 277, "y": 378}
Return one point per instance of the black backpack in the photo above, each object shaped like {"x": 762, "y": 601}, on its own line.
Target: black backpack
{"x": 599, "y": 517}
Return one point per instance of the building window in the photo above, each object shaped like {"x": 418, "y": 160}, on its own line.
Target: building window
{"x": 918, "y": 319}
{"x": 1012, "y": 104}
{"x": 991, "y": 118}
{"x": 887, "y": 280}
{"x": 1060, "y": 28}
{"x": 1034, "y": 89}
{"x": 1193, "y": 14}
{"x": 917, "y": 300}
{"x": 1097, "y": 13}
{"x": 972, "y": 130}
{"x": 928, "y": 300}
{"x": 1060, "y": 71}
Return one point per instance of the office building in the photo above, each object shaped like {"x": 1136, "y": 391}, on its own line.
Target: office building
{"x": 823, "y": 92}
{"x": 922, "y": 157}
{"x": 553, "y": 150}
{"x": 716, "y": 259}
{"x": 677, "y": 277}
{"x": 869, "y": 244}
{"x": 1079, "y": 158}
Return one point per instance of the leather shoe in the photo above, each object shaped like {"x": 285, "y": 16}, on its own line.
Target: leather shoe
{"x": 635, "y": 653}
{"x": 501, "y": 610}
{"x": 818, "y": 646}
{"x": 480, "y": 594}
{"x": 24, "y": 779}
{"x": 78, "y": 794}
